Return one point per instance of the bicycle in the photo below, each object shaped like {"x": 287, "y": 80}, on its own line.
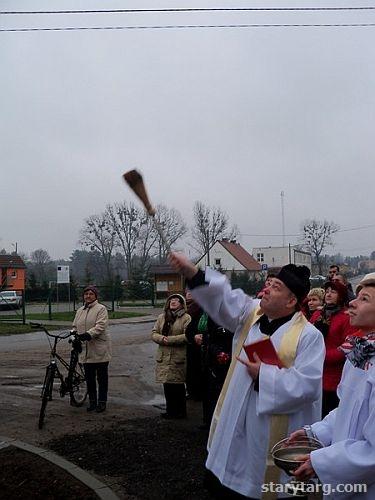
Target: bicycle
{"x": 74, "y": 383}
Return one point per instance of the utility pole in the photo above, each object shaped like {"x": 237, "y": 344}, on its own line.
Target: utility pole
{"x": 282, "y": 216}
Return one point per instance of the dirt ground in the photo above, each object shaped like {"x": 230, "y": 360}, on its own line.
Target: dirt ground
{"x": 143, "y": 458}
{"x": 129, "y": 447}
{"x": 23, "y": 475}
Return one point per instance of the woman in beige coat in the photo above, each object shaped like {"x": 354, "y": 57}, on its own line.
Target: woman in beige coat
{"x": 91, "y": 323}
{"x": 169, "y": 333}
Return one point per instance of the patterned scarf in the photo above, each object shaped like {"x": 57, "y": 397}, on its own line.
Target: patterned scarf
{"x": 359, "y": 350}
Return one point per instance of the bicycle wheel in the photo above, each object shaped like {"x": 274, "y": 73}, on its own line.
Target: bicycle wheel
{"x": 46, "y": 393}
{"x": 78, "y": 392}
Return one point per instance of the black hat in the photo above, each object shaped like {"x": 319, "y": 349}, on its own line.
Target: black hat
{"x": 296, "y": 278}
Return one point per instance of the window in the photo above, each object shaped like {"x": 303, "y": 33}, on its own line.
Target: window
{"x": 218, "y": 262}
{"x": 13, "y": 274}
{"x": 260, "y": 257}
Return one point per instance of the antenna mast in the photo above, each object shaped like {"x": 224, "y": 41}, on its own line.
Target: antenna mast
{"x": 282, "y": 216}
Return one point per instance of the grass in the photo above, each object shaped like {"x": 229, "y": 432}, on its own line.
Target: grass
{"x": 16, "y": 328}
{"x": 9, "y": 328}
{"x": 69, "y": 316}
{"x": 157, "y": 303}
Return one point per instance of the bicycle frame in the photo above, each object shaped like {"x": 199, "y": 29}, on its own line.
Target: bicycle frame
{"x": 73, "y": 383}
{"x": 64, "y": 387}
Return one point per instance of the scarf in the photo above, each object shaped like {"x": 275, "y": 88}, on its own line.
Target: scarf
{"x": 202, "y": 325}
{"x": 359, "y": 350}
{"x": 324, "y": 321}
{"x": 170, "y": 318}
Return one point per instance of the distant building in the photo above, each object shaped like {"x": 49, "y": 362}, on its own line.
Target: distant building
{"x": 12, "y": 273}
{"x": 228, "y": 256}
{"x": 274, "y": 258}
{"x": 365, "y": 266}
{"x": 167, "y": 281}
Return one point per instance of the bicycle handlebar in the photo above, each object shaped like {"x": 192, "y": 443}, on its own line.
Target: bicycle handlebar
{"x": 64, "y": 335}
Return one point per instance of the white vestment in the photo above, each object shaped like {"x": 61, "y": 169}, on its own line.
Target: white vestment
{"x": 349, "y": 434}
{"x": 237, "y": 455}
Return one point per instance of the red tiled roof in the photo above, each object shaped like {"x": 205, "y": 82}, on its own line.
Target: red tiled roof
{"x": 12, "y": 261}
{"x": 241, "y": 255}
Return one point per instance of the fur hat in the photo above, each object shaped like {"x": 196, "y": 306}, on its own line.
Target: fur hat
{"x": 368, "y": 279}
{"x": 296, "y": 278}
{"x": 341, "y": 289}
{"x": 316, "y": 292}
{"x": 178, "y": 296}
{"x": 91, "y": 288}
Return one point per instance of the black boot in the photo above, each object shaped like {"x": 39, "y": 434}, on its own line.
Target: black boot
{"x": 92, "y": 406}
{"x": 101, "y": 407}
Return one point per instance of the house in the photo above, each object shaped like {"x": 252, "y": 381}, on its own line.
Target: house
{"x": 12, "y": 273}
{"x": 166, "y": 280}
{"x": 274, "y": 258}
{"x": 228, "y": 256}
{"x": 365, "y": 266}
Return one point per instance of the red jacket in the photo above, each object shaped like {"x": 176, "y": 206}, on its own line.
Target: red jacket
{"x": 339, "y": 329}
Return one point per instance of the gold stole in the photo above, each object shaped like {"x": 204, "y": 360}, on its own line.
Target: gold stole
{"x": 278, "y": 423}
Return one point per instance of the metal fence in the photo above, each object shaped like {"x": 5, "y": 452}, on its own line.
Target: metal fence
{"x": 51, "y": 302}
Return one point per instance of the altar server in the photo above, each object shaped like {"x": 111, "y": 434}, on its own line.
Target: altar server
{"x": 346, "y": 465}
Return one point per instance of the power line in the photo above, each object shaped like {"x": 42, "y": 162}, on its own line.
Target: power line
{"x": 356, "y": 228}
{"x": 301, "y": 234}
{"x": 192, "y": 9}
{"x": 190, "y": 26}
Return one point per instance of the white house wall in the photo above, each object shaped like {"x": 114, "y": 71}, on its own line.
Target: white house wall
{"x": 280, "y": 256}
{"x": 227, "y": 261}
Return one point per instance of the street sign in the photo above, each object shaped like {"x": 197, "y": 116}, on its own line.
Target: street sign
{"x": 264, "y": 267}
{"x": 63, "y": 274}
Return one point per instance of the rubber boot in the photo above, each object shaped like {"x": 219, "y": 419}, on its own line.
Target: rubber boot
{"x": 92, "y": 406}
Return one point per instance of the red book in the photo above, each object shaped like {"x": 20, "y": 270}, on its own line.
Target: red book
{"x": 265, "y": 350}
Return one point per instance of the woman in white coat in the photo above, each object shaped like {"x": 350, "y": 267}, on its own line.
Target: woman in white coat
{"x": 91, "y": 323}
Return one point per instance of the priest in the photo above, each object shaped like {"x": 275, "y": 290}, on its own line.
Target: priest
{"x": 346, "y": 464}
{"x": 260, "y": 403}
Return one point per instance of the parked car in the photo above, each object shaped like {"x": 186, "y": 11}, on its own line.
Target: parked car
{"x": 318, "y": 277}
{"x": 10, "y": 298}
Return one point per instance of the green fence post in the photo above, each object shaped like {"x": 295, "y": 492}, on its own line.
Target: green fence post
{"x": 23, "y": 308}
{"x": 50, "y": 303}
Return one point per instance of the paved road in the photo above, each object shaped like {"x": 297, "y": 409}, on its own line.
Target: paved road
{"x": 22, "y": 362}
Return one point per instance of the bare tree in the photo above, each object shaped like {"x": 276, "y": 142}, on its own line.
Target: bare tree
{"x": 137, "y": 237}
{"x": 40, "y": 259}
{"x": 126, "y": 221}
{"x": 317, "y": 235}
{"x": 146, "y": 246}
{"x": 98, "y": 234}
{"x": 211, "y": 224}
{"x": 173, "y": 227}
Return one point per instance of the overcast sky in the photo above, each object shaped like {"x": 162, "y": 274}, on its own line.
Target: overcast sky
{"x": 229, "y": 116}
